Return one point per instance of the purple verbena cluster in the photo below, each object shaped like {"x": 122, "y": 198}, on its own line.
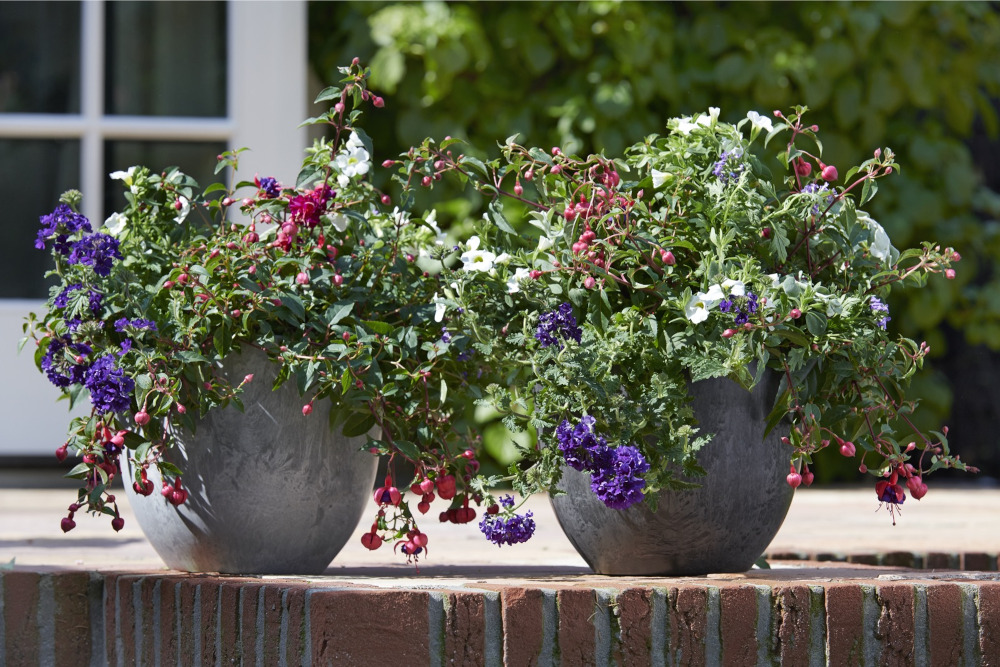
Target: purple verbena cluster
{"x": 58, "y": 368}
{"x": 615, "y": 472}
{"x": 269, "y": 187}
{"x": 501, "y": 529}
{"x": 742, "y": 307}
{"x": 556, "y": 324}
{"x": 96, "y": 250}
{"x": 110, "y": 389}
{"x": 60, "y": 223}
{"x": 729, "y": 167}
{"x": 817, "y": 188}
{"x": 138, "y": 323}
{"x": 878, "y": 306}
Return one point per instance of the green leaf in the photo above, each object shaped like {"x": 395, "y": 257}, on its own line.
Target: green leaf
{"x": 407, "y": 449}
{"x": 339, "y": 312}
{"x": 329, "y": 93}
{"x": 816, "y": 323}
{"x": 497, "y": 216}
{"x": 294, "y": 304}
{"x": 377, "y": 326}
{"x": 358, "y": 424}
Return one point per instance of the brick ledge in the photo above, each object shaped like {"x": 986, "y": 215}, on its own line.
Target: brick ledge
{"x": 797, "y": 613}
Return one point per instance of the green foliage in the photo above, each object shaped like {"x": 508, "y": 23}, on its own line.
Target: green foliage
{"x": 596, "y": 76}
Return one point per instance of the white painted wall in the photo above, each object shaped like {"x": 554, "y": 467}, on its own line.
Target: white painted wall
{"x": 268, "y": 98}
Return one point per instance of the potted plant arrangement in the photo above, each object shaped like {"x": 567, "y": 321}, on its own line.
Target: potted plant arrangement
{"x": 186, "y": 309}
{"x": 679, "y": 330}
{"x": 679, "y": 311}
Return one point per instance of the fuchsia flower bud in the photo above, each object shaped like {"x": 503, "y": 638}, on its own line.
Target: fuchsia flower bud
{"x": 949, "y": 274}
{"x": 829, "y": 173}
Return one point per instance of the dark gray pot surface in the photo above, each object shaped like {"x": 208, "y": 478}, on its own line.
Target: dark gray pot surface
{"x": 270, "y": 491}
{"x": 722, "y": 526}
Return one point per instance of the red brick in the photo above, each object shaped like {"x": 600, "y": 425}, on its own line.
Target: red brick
{"x": 249, "y": 596}
{"x": 364, "y": 626}
{"x": 20, "y": 604}
{"x": 295, "y": 605}
{"x": 209, "y": 606}
{"x": 844, "y": 624}
{"x": 900, "y": 559}
{"x": 944, "y": 624}
{"x": 688, "y": 619}
{"x": 576, "y": 626}
{"x": 169, "y": 632}
{"x": 635, "y": 621}
{"x": 989, "y": 623}
{"x": 792, "y": 609}
{"x": 71, "y": 594}
{"x": 738, "y": 625}
{"x": 272, "y": 611}
{"x": 895, "y": 624}
{"x": 863, "y": 559}
{"x": 229, "y": 628}
{"x": 936, "y": 560}
{"x": 465, "y": 629}
{"x": 186, "y": 627}
{"x": 523, "y": 622}
{"x": 148, "y": 618}
{"x": 126, "y": 611}
{"x": 978, "y": 562}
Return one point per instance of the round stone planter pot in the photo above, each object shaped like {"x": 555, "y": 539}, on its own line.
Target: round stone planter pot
{"x": 722, "y": 526}
{"x": 270, "y": 491}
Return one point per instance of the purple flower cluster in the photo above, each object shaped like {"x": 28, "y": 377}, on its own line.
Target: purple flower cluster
{"x": 96, "y": 250}
{"x": 615, "y": 473}
{"x": 817, "y": 188}
{"x": 729, "y": 167}
{"x": 62, "y": 299}
{"x": 138, "y": 323}
{"x": 557, "y": 324}
{"x": 878, "y": 306}
{"x": 269, "y": 187}
{"x": 742, "y": 307}
{"x": 60, "y": 223}
{"x": 110, "y": 389}
{"x": 510, "y": 529}
{"x": 57, "y": 366}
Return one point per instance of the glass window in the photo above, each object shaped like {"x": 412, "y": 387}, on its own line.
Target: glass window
{"x": 38, "y": 170}
{"x": 197, "y": 159}
{"x": 40, "y": 57}
{"x": 166, "y": 58}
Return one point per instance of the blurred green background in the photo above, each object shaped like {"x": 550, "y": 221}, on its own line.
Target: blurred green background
{"x": 922, "y": 78}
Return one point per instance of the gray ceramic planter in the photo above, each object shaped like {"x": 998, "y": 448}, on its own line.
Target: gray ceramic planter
{"x": 270, "y": 491}
{"x": 723, "y": 526}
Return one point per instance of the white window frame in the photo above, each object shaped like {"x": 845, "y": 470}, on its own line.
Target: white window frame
{"x": 266, "y": 123}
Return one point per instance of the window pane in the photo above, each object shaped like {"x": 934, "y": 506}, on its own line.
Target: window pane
{"x": 166, "y": 58}
{"x": 38, "y": 171}
{"x": 195, "y": 158}
{"x": 40, "y": 57}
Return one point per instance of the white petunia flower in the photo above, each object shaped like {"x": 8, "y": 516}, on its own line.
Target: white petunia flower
{"x": 685, "y": 126}
{"x": 339, "y": 221}
{"x": 544, "y": 243}
{"x": 354, "y": 141}
{"x": 125, "y": 176}
{"x": 760, "y": 122}
{"x": 475, "y": 259}
{"x": 514, "y": 281}
{"x": 699, "y": 305}
{"x": 351, "y": 163}
{"x": 439, "y": 308}
{"x": 115, "y": 224}
{"x": 659, "y": 177}
{"x": 502, "y": 258}
{"x": 881, "y": 246}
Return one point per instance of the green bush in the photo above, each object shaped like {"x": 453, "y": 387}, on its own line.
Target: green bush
{"x": 592, "y": 76}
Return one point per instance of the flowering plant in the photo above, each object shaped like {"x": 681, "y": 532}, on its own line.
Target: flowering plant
{"x": 600, "y": 288}
{"x": 325, "y": 276}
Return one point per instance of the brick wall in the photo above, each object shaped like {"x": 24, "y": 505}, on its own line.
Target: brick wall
{"x": 129, "y": 618}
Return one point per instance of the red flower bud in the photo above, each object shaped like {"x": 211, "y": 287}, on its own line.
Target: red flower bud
{"x": 794, "y": 479}
{"x": 847, "y": 449}
{"x": 949, "y": 274}
{"x": 795, "y": 313}
{"x": 141, "y": 418}
{"x": 829, "y": 173}
{"x": 729, "y": 333}
{"x": 307, "y": 409}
